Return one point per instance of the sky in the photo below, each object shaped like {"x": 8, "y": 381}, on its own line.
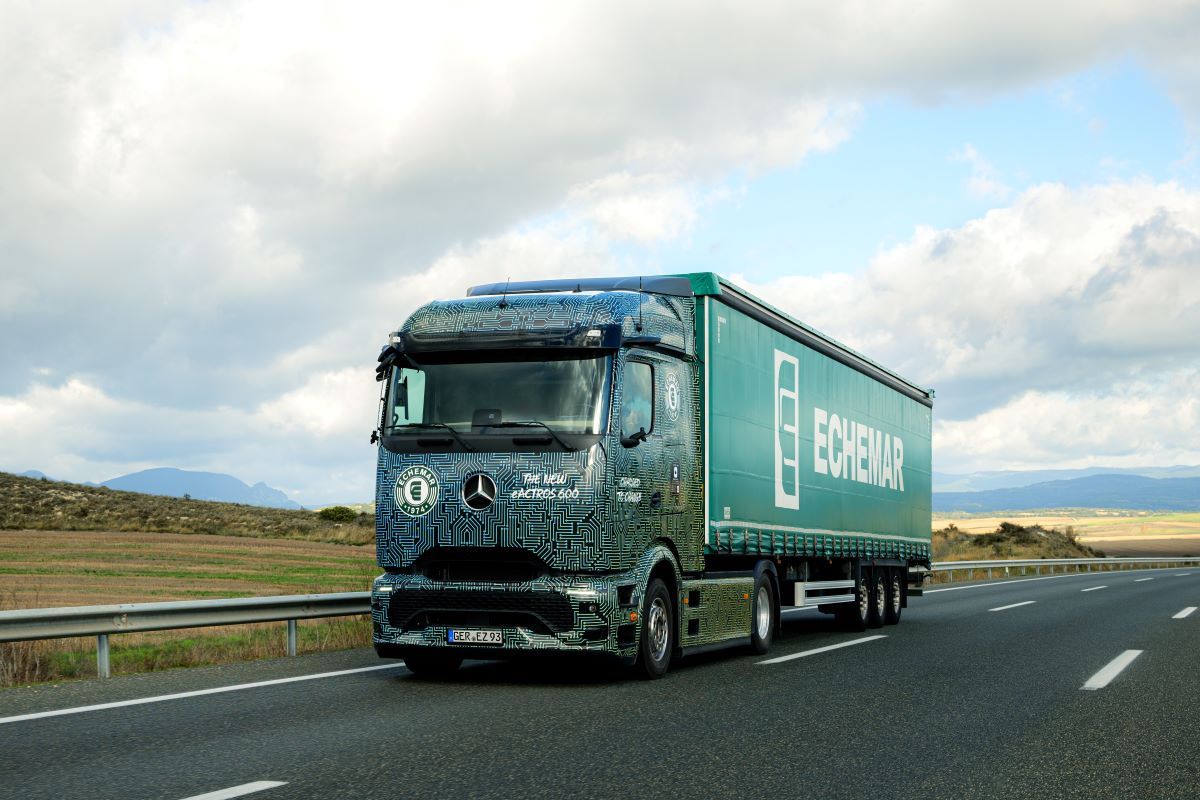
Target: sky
{"x": 211, "y": 214}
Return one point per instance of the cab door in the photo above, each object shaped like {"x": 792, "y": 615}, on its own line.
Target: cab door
{"x": 655, "y": 488}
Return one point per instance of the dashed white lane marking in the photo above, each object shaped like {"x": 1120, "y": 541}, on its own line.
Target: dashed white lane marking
{"x": 1139, "y": 580}
{"x": 1094, "y": 588}
{"x": 825, "y": 649}
{"x": 1187, "y": 612}
{"x": 1013, "y": 605}
{"x": 237, "y": 791}
{"x": 198, "y": 693}
{"x": 1182, "y": 574}
{"x": 1111, "y": 670}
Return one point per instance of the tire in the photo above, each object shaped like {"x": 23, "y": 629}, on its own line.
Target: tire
{"x": 878, "y": 584}
{"x": 657, "y": 632}
{"x": 431, "y": 663}
{"x": 857, "y": 615}
{"x": 763, "y": 613}
{"x": 895, "y": 597}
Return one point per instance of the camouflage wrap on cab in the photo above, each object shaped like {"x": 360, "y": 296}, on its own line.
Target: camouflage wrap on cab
{"x": 599, "y": 519}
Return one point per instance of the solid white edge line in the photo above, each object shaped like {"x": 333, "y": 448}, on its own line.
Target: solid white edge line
{"x": 1013, "y": 605}
{"x": 1187, "y": 612}
{"x": 825, "y": 649}
{"x": 197, "y": 693}
{"x": 237, "y": 791}
{"x": 1094, "y": 588}
{"x": 1111, "y": 670}
{"x": 1139, "y": 580}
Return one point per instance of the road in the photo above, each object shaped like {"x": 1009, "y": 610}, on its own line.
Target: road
{"x": 978, "y": 693}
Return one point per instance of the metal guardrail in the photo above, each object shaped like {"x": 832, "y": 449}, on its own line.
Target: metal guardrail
{"x": 103, "y": 621}
{"x": 1054, "y": 564}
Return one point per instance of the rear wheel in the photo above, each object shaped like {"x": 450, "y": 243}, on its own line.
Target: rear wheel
{"x": 658, "y": 631}
{"x": 762, "y": 614}
{"x": 878, "y": 596}
{"x": 431, "y": 663}
{"x": 895, "y": 597}
{"x": 857, "y": 615}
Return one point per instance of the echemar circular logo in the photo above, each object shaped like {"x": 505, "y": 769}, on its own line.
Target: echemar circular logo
{"x": 672, "y": 396}
{"x": 416, "y": 491}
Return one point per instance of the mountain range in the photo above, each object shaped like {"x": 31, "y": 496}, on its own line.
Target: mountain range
{"x": 172, "y": 482}
{"x": 1009, "y": 479}
{"x": 1104, "y": 490}
{"x": 200, "y": 486}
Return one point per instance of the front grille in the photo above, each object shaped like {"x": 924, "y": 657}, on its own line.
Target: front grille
{"x": 539, "y": 610}
{"x": 485, "y": 565}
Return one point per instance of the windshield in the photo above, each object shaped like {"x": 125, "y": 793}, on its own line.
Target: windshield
{"x": 567, "y": 395}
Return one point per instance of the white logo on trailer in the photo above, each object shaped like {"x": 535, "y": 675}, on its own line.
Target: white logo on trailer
{"x": 787, "y": 430}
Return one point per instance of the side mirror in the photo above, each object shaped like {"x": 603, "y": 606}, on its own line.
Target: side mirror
{"x": 632, "y": 441}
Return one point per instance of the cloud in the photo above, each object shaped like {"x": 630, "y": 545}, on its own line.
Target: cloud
{"x": 984, "y": 181}
{"x": 205, "y": 207}
{"x": 1079, "y": 300}
{"x": 1148, "y": 422}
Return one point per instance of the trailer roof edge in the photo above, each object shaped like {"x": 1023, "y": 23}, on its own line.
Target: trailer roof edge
{"x": 713, "y": 285}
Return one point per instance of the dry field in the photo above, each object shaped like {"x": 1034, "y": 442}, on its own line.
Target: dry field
{"x": 1117, "y": 533}
{"x": 40, "y": 569}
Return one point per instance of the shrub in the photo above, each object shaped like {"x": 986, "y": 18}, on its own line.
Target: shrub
{"x": 338, "y": 514}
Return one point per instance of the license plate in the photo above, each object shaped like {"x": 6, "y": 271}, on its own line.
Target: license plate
{"x": 460, "y": 636}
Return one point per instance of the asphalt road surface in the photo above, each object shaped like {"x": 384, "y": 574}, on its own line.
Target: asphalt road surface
{"x": 1081, "y": 686}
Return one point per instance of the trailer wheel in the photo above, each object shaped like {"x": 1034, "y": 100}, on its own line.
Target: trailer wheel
{"x": 878, "y": 598}
{"x": 658, "y": 632}
{"x": 895, "y": 597}
{"x": 857, "y": 615}
{"x": 763, "y": 614}
{"x": 431, "y": 663}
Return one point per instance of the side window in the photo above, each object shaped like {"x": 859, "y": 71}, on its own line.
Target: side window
{"x": 407, "y": 397}
{"x": 637, "y": 398}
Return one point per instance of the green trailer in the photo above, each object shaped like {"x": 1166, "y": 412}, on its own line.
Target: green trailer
{"x": 640, "y": 469}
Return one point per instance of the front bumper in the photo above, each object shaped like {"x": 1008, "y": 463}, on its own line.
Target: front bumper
{"x": 551, "y": 614}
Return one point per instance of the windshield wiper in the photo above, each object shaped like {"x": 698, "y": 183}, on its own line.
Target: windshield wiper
{"x": 442, "y": 425}
{"x": 533, "y": 423}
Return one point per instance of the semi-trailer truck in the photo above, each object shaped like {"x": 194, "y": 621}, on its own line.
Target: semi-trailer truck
{"x": 637, "y": 467}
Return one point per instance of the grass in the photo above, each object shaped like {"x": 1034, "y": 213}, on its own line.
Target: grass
{"x": 41, "y": 569}
{"x": 35, "y": 504}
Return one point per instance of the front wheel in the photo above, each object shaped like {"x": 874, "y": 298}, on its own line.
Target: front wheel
{"x": 762, "y": 614}
{"x": 658, "y": 631}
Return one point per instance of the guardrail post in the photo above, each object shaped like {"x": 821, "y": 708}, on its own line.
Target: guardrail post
{"x": 102, "y": 668}
{"x": 989, "y": 573}
{"x": 291, "y": 637}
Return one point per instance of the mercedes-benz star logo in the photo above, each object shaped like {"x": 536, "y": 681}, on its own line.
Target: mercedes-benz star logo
{"x": 479, "y": 492}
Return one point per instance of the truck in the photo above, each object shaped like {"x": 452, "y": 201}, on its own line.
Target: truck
{"x": 636, "y": 468}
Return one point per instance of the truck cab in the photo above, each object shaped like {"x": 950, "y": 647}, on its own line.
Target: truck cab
{"x": 538, "y": 459}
